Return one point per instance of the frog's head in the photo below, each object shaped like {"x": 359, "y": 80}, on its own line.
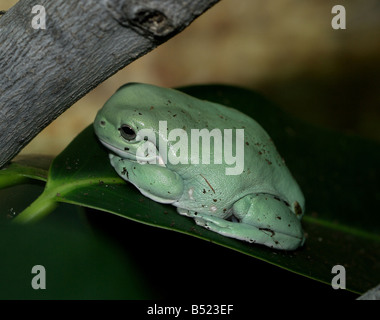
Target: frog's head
{"x": 130, "y": 119}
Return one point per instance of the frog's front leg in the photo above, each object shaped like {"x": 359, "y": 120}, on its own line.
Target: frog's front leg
{"x": 155, "y": 182}
{"x": 262, "y": 219}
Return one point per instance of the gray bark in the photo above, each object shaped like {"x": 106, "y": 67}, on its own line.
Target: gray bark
{"x": 373, "y": 294}
{"x": 45, "y": 71}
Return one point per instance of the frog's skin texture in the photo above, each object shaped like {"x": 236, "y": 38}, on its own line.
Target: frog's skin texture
{"x": 263, "y": 204}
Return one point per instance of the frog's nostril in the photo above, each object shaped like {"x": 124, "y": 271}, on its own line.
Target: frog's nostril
{"x": 102, "y": 123}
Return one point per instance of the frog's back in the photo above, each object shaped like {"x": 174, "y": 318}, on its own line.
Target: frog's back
{"x": 264, "y": 169}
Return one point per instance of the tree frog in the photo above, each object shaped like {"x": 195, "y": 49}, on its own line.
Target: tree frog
{"x": 177, "y": 149}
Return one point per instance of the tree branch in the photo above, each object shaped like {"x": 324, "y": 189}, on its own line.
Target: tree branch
{"x": 45, "y": 71}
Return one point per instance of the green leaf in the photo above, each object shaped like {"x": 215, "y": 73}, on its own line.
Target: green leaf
{"x": 79, "y": 263}
{"x": 24, "y": 168}
{"x": 338, "y": 174}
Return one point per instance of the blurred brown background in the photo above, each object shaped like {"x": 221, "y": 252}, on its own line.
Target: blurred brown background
{"x": 284, "y": 49}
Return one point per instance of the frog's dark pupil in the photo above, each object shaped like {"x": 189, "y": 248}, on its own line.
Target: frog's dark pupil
{"x": 127, "y": 132}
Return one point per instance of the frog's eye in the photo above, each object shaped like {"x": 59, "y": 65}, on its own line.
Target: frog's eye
{"x": 127, "y": 132}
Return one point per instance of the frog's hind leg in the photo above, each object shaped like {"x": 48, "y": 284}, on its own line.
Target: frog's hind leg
{"x": 262, "y": 219}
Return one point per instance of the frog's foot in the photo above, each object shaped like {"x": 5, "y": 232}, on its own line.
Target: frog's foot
{"x": 226, "y": 228}
{"x": 154, "y": 181}
{"x": 262, "y": 219}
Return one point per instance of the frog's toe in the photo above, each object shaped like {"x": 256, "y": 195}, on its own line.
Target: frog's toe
{"x": 200, "y": 222}
{"x": 214, "y": 221}
{"x": 114, "y": 159}
{"x": 184, "y": 212}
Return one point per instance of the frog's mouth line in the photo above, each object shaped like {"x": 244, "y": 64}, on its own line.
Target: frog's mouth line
{"x": 157, "y": 159}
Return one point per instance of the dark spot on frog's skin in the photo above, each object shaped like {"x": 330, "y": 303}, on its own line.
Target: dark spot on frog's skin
{"x": 151, "y": 108}
{"x": 297, "y": 208}
{"x": 224, "y": 210}
{"x": 260, "y": 153}
{"x": 215, "y": 200}
{"x": 269, "y": 162}
{"x": 204, "y": 191}
{"x": 195, "y": 213}
{"x": 174, "y": 115}
{"x": 279, "y": 218}
{"x": 126, "y": 149}
{"x": 140, "y": 113}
